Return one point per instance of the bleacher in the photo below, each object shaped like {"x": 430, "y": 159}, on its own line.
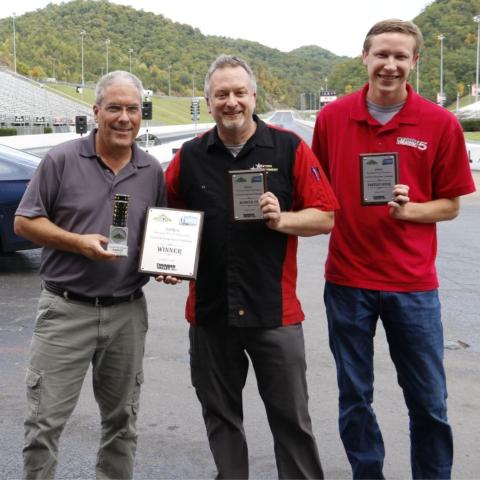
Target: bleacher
{"x": 23, "y": 102}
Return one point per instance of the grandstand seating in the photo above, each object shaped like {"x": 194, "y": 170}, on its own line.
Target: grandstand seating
{"x": 23, "y": 102}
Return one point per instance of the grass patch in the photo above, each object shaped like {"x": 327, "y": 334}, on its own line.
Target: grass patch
{"x": 473, "y": 136}
{"x": 87, "y": 97}
{"x": 462, "y": 102}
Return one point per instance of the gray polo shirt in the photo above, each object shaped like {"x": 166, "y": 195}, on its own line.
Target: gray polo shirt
{"x": 75, "y": 190}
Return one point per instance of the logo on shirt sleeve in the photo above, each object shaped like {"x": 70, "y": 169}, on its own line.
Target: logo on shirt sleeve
{"x": 412, "y": 142}
{"x": 316, "y": 173}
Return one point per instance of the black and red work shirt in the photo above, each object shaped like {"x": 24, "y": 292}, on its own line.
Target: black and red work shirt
{"x": 247, "y": 273}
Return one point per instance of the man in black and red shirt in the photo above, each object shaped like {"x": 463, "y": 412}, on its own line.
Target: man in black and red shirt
{"x": 243, "y": 300}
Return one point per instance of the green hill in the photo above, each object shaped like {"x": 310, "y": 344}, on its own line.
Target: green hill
{"x": 171, "y": 56}
{"x": 48, "y": 43}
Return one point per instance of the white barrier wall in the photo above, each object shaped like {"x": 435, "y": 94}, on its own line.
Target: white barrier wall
{"x": 474, "y": 154}
{"x": 25, "y": 142}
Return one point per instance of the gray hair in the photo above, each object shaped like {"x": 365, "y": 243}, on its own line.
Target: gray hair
{"x": 224, "y": 61}
{"x": 116, "y": 77}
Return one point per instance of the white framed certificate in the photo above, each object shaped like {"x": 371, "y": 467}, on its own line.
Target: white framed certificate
{"x": 171, "y": 242}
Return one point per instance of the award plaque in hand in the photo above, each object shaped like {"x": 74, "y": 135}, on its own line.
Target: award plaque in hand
{"x": 171, "y": 242}
{"x": 246, "y": 188}
{"x": 378, "y": 176}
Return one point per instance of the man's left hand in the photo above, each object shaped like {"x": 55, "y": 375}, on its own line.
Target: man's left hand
{"x": 271, "y": 210}
{"x": 168, "y": 279}
{"x": 399, "y": 203}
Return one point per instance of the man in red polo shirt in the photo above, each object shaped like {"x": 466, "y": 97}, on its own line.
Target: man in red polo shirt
{"x": 397, "y": 164}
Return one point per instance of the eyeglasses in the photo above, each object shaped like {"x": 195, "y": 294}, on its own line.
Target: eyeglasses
{"x": 132, "y": 110}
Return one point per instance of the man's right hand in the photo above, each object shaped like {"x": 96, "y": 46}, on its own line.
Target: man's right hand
{"x": 44, "y": 232}
{"x": 91, "y": 246}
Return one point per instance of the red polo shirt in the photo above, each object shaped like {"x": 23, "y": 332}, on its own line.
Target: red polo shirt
{"x": 368, "y": 248}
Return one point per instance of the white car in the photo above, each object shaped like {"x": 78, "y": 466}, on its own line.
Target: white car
{"x": 164, "y": 153}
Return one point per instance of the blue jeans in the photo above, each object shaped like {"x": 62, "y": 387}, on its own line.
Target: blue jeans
{"x": 415, "y": 337}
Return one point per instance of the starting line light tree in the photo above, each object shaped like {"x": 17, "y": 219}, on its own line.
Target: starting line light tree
{"x": 195, "y": 109}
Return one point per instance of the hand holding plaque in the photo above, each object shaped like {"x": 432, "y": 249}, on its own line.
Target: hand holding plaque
{"x": 378, "y": 176}
{"x": 247, "y": 186}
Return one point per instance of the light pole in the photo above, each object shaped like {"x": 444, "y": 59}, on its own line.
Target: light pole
{"x": 130, "y": 51}
{"x": 169, "y": 80}
{"x": 82, "y": 35}
{"x": 476, "y": 19}
{"x": 441, "y": 37}
{"x": 326, "y": 83}
{"x": 107, "y": 43}
{"x": 14, "y": 45}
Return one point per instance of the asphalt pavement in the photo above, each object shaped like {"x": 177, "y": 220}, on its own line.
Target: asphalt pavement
{"x": 172, "y": 439}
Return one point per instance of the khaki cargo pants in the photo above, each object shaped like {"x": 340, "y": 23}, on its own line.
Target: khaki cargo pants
{"x": 68, "y": 337}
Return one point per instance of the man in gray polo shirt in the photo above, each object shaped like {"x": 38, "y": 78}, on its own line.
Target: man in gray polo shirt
{"x": 91, "y": 308}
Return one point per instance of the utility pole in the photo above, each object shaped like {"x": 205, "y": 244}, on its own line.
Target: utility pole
{"x": 441, "y": 37}
{"x": 14, "y": 45}
{"x": 169, "y": 80}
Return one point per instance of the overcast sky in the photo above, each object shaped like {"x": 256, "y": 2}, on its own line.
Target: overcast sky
{"x": 337, "y": 25}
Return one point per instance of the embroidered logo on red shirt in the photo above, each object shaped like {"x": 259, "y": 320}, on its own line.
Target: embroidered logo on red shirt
{"x": 412, "y": 142}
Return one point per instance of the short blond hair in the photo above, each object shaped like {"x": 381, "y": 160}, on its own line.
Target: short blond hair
{"x": 394, "y": 25}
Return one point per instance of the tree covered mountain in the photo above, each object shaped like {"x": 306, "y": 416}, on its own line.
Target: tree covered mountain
{"x": 48, "y": 44}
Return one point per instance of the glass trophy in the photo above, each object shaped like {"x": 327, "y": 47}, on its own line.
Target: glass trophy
{"x": 118, "y": 238}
